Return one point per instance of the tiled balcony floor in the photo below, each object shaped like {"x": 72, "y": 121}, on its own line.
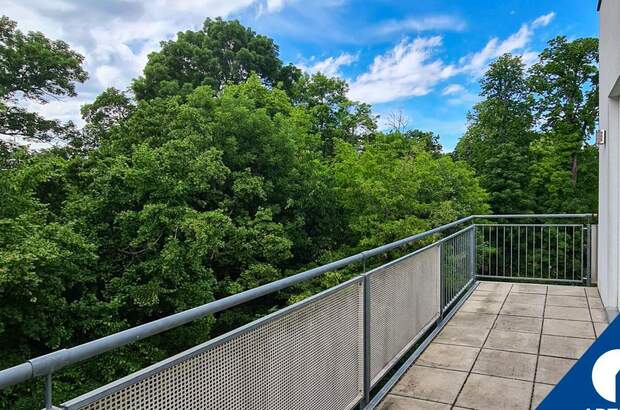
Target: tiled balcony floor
{"x": 505, "y": 348}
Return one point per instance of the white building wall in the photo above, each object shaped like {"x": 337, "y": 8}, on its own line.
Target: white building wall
{"x": 609, "y": 157}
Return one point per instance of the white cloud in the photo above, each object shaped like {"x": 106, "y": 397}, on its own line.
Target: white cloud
{"x": 275, "y": 5}
{"x": 452, "y": 89}
{"x": 331, "y": 65}
{"x": 116, "y": 36}
{"x": 438, "y": 22}
{"x": 517, "y": 43}
{"x": 404, "y": 71}
{"x": 412, "y": 69}
{"x": 543, "y": 21}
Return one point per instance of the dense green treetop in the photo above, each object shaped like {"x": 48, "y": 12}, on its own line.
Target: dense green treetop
{"x": 33, "y": 67}
{"x": 222, "y": 52}
{"x": 497, "y": 140}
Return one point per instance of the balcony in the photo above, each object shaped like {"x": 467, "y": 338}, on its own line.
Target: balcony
{"x": 506, "y": 347}
{"x": 439, "y": 324}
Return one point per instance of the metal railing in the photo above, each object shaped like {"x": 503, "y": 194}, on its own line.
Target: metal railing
{"x": 557, "y": 252}
{"x": 328, "y": 351}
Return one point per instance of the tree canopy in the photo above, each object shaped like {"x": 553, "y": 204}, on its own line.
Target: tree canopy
{"x": 38, "y": 69}
{"x": 529, "y": 139}
{"x": 222, "y": 169}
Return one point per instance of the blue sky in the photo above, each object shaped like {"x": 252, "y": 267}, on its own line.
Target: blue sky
{"x": 423, "y": 58}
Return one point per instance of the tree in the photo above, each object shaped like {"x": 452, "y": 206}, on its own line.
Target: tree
{"x": 397, "y": 120}
{"x": 565, "y": 83}
{"x": 395, "y": 187}
{"x": 499, "y": 133}
{"x": 32, "y": 67}
{"x": 222, "y": 52}
{"x": 427, "y": 139}
{"x": 111, "y": 108}
{"x": 334, "y": 115}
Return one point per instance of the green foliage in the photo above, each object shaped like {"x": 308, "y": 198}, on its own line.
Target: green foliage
{"x": 222, "y": 52}
{"x": 35, "y": 68}
{"x": 566, "y": 85}
{"x": 217, "y": 178}
{"x": 496, "y": 143}
{"x": 528, "y": 139}
{"x": 395, "y": 187}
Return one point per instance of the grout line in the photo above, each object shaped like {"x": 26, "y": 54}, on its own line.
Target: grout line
{"x": 418, "y": 398}
{"x": 478, "y": 355}
{"x": 591, "y": 320}
{"x": 441, "y": 368}
{"x": 503, "y": 377}
{"x": 538, "y": 355}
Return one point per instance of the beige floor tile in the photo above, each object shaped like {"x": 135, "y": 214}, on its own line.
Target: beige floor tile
{"x": 494, "y": 286}
{"x": 521, "y": 309}
{"x": 566, "y": 290}
{"x": 560, "y": 346}
{"x": 488, "y": 392}
{"x": 592, "y": 292}
{"x": 480, "y": 306}
{"x": 491, "y": 297}
{"x": 518, "y": 323}
{"x": 571, "y": 301}
{"x": 472, "y": 320}
{"x": 394, "y": 402}
{"x": 567, "y": 313}
{"x": 551, "y": 370}
{"x": 526, "y": 298}
{"x": 529, "y": 288}
{"x": 571, "y": 328}
{"x": 595, "y": 303}
{"x": 463, "y": 336}
{"x": 599, "y": 328}
{"x": 430, "y": 383}
{"x": 513, "y": 341}
{"x": 450, "y": 357}
{"x": 540, "y": 392}
{"x": 598, "y": 315}
{"x": 506, "y": 364}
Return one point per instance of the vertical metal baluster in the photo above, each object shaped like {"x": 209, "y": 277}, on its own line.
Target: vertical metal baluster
{"x": 589, "y": 255}
{"x": 565, "y": 250}
{"x": 519, "y": 250}
{"x": 461, "y": 269}
{"x": 581, "y": 253}
{"x": 497, "y": 250}
{"x": 511, "y": 249}
{"x": 549, "y": 253}
{"x": 542, "y": 246}
{"x": 483, "y": 244}
{"x": 490, "y": 252}
{"x": 526, "y": 261}
{"x": 451, "y": 270}
{"x": 573, "y": 247}
{"x": 557, "y": 252}
{"x": 504, "y": 251}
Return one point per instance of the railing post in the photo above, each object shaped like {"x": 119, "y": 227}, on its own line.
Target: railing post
{"x": 472, "y": 255}
{"x": 366, "y": 330}
{"x": 442, "y": 283}
{"x": 589, "y": 255}
{"x": 48, "y": 391}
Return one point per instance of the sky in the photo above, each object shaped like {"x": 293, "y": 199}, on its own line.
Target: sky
{"x": 419, "y": 58}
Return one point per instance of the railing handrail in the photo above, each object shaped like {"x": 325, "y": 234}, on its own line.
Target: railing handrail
{"x": 47, "y": 364}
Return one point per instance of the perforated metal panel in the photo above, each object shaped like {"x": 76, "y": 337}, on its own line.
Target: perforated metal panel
{"x": 404, "y": 302}
{"x": 308, "y": 356}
